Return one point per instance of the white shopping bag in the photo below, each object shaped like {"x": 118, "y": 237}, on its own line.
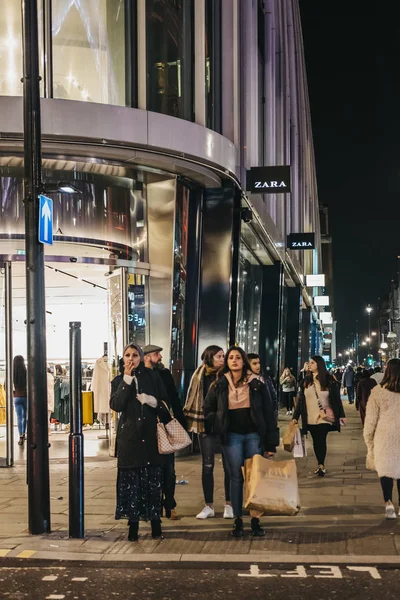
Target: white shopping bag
{"x": 299, "y": 449}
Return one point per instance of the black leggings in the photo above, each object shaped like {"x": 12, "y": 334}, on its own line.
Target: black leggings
{"x": 208, "y": 445}
{"x": 319, "y": 434}
{"x": 387, "y": 488}
{"x": 288, "y": 400}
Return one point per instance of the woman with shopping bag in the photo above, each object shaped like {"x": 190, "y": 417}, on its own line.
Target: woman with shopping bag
{"x": 320, "y": 408}
{"x": 239, "y": 409}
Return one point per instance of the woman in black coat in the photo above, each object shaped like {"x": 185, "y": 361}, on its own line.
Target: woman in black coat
{"x": 319, "y": 390}
{"x": 240, "y": 409}
{"x": 138, "y": 396}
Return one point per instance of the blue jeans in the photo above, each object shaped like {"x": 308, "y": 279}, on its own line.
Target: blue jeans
{"x": 21, "y": 405}
{"x": 238, "y": 448}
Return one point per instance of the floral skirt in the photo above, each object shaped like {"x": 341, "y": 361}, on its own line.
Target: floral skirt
{"x": 139, "y": 494}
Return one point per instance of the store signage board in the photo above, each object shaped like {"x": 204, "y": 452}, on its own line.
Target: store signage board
{"x": 301, "y": 241}
{"x": 45, "y": 220}
{"x": 321, "y": 300}
{"x": 268, "y": 180}
{"x": 315, "y": 280}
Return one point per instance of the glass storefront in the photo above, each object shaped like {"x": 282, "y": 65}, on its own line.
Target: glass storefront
{"x": 11, "y": 47}
{"x": 107, "y": 211}
{"x": 179, "y": 281}
{"x": 213, "y": 64}
{"x": 170, "y": 57}
{"x": 88, "y": 40}
{"x": 250, "y": 287}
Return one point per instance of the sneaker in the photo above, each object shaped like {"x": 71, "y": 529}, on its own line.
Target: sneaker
{"x": 390, "y": 513}
{"x": 21, "y": 440}
{"x": 237, "y": 530}
{"x": 256, "y": 529}
{"x": 173, "y": 515}
{"x": 228, "y": 512}
{"x": 206, "y": 513}
{"x": 321, "y": 471}
{"x": 287, "y": 412}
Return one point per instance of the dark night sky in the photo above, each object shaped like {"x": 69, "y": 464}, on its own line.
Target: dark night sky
{"x": 353, "y": 68}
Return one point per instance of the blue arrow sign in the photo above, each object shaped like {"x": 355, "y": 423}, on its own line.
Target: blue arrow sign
{"x": 45, "y": 220}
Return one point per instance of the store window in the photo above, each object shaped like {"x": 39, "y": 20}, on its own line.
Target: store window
{"x": 250, "y": 285}
{"x": 179, "y": 280}
{"x": 11, "y": 70}
{"x": 88, "y": 39}
{"x": 170, "y": 57}
{"x": 213, "y": 64}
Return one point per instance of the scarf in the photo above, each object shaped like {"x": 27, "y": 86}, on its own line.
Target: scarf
{"x": 194, "y": 407}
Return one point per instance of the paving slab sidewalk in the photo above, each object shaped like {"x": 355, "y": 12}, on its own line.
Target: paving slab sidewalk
{"x": 341, "y": 518}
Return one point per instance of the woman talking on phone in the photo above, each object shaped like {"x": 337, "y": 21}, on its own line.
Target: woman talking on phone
{"x": 320, "y": 408}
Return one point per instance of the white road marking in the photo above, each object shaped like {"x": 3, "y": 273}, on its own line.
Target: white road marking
{"x": 255, "y": 572}
{"x": 299, "y": 571}
{"x": 372, "y": 570}
{"x": 79, "y": 579}
{"x": 330, "y": 573}
{"x": 50, "y": 578}
{"x": 55, "y": 597}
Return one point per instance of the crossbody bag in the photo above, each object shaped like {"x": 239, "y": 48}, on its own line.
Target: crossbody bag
{"x": 326, "y": 414}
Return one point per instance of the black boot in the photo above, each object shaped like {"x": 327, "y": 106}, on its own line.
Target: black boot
{"x": 21, "y": 440}
{"x": 237, "y": 530}
{"x": 256, "y": 528}
{"x": 156, "y": 532}
{"x": 133, "y": 534}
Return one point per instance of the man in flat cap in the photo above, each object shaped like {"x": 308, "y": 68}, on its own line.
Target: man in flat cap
{"x": 152, "y": 359}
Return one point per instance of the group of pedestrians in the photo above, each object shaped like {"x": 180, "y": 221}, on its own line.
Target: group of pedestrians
{"x": 228, "y": 406}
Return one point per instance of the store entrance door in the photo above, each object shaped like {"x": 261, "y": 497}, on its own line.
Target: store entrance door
{"x": 6, "y": 358}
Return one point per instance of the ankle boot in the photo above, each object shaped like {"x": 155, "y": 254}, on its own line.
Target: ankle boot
{"x": 156, "y": 529}
{"x": 133, "y": 534}
{"x": 237, "y": 530}
{"x": 256, "y": 528}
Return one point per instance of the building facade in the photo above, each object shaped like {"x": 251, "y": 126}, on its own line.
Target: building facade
{"x": 155, "y": 110}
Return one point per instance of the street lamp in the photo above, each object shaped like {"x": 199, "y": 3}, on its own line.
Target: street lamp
{"x": 369, "y": 311}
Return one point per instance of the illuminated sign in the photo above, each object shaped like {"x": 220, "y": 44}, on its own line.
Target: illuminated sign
{"x": 268, "y": 180}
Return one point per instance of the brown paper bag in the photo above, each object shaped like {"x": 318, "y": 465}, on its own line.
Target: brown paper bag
{"x": 270, "y": 487}
{"x": 289, "y": 436}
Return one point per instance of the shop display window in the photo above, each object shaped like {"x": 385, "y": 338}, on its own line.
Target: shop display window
{"x": 88, "y": 39}
{"x": 170, "y": 57}
{"x": 249, "y": 306}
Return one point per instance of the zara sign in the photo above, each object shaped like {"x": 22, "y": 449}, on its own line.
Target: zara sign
{"x": 301, "y": 241}
{"x": 268, "y": 180}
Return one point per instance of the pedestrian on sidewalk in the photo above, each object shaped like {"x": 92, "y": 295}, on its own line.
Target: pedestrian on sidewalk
{"x": 382, "y": 433}
{"x": 378, "y": 375}
{"x": 364, "y": 388}
{"x": 138, "y": 395}
{"x": 348, "y": 383}
{"x": 212, "y": 362}
{"x": 255, "y": 366}
{"x": 152, "y": 359}
{"x": 20, "y": 396}
{"x": 319, "y": 389}
{"x": 240, "y": 410}
{"x": 288, "y": 384}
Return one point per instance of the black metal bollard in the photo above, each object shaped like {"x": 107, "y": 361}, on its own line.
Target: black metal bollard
{"x": 76, "y": 474}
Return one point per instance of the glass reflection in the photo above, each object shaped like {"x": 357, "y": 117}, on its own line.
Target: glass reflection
{"x": 170, "y": 57}
{"x": 11, "y": 47}
{"x": 89, "y": 50}
{"x": 109, "y": 210}
{"x": 250, "y": 284}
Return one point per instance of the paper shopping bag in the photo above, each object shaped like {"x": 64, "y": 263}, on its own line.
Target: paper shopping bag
{"x": 288, "y": 436}
{"x": 271, "y": 486}
{"x": 299, "y": 449}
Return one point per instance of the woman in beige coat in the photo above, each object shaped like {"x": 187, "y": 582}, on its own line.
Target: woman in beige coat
{"x": 382, "y": 433}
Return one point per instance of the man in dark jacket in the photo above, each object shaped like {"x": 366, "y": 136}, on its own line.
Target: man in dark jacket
{"x": 153, "y": 360}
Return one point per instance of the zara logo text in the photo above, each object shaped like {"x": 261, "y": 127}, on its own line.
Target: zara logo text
{"x": 270, "y": 184}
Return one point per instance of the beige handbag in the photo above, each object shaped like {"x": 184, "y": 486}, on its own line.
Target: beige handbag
{"x": 171, "y": 436}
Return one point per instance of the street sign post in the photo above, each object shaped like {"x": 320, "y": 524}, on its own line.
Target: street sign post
{"x": 45, "y": 220}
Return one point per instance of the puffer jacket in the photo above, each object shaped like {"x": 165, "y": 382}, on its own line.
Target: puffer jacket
{"x": 262, "y": 407}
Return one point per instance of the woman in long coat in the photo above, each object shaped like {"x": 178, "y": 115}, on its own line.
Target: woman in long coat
{"x": 138, "y": 396}
{"x": 382, "y": 433}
